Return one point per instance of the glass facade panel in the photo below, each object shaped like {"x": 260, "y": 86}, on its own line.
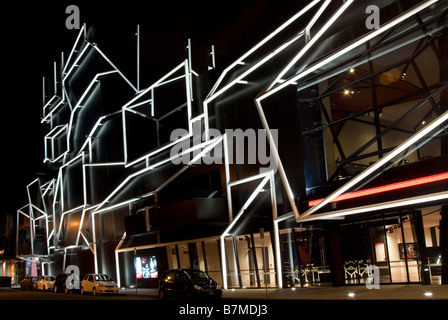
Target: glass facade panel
{"x": 184, "y": 255}
{"x": 379, "y": 249}
{"x": 411, "y": 249}
{"x": 232, "y": 264}
{"x": 247, "y": 262}
{"x": 304, "y": 257}
{"x": 200, "y": 256}
{"x": 431, "y": 225}
{"x": 359, "y": 241}
{"x": 265, "y": 260}
{"x": 212, "y": 255}
{"x": 171, "y": 253}
{"x": 395, "y": 245}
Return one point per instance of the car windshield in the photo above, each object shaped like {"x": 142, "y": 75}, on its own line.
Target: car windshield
{"x": 102, "y": 277}
{"x": 49, "y": 278}
{"x": 197, "y": 275}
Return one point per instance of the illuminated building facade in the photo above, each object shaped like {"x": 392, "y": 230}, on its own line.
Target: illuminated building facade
{"x": 355, "y": 174}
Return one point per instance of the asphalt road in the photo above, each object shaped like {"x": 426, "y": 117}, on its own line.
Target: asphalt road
{"x": 17, "y": 294}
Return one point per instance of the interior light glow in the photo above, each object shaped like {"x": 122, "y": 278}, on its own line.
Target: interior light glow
{"x": 428, "y": 294}
{"x": 351, "y": 294}
{"x": 387, "y": 188}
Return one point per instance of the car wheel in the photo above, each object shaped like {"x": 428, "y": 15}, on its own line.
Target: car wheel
{"x": 94, "y": 291}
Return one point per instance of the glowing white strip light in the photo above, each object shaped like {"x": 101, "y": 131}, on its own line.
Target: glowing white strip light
{"x": 350, "y": 47}
{"x": 264, "y": 94}
{"x": 75, "y": 64}
{"x": 53, "y": 134}
{"x": 212, "y": 95}
{"x": 208, "y": 146}
{"x": 381, "y": 53}
{"x": 158, "y": 150}
{"x": 207, "y": 149}
{"x": 117, "y": 261}
{"x": 85, "y": 95}
{"x": 78, "y": 38}
{"x": 317, "y": 15}
{"x": 380, "y": 163}
{"x": 148, "y": 101}
{"x": 230, "y": 226}
{"x": 248, "y": 179}
{"x": 379, "y": 206}
{"x": 261, "y": 43}
{"x": 276, "y": 156}
{"x": 314, "y": 39}
{"x": 142, "y": 93}
{"x": 49, "y": 102}
{"x": 115, "y": 67}
{"x": 116, "y": 206}
{"x": 276, "y": 233}
{"x": 162, "y": 81}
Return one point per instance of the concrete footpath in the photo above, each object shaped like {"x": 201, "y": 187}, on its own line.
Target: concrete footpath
{"x": 385, "y": 292}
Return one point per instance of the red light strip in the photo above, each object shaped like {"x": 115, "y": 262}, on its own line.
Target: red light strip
{"x": 386, "y": 188}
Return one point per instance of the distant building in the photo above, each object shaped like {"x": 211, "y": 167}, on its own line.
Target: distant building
{"x": 354, "y": 172}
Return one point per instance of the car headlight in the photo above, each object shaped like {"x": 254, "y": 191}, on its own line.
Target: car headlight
{"x": 198, "y": 288}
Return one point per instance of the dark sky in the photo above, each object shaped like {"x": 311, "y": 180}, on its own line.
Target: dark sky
{"x": 34, "y": 35}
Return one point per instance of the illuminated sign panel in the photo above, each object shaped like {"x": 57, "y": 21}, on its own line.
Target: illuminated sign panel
{"x": 146, "y": 267}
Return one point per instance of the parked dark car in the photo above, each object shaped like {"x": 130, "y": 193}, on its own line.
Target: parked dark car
{"x": 29, "y": 283}
{"x": 60, "y": 284}
{"x": 188, "y": 284}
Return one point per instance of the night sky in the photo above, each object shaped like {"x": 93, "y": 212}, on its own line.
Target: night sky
{"x": 34, "y": 35}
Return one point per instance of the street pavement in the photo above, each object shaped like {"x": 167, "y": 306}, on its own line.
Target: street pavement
{"x": 390, "y": 301}
{"x": 385, "y": 292}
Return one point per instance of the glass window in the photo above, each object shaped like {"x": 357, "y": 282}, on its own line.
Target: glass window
{"x": 171, "y": 253}
{"x": 411, "y": 249}
{"x": 395, "y": 246}
{"x": 247, "y": 263}
{"x": 213, "y": 260}
{"x": 431, "y": 224}
{"x": 265, "y": 260}
{"x": 232, "y": 267}
{"x": 184, "y": 255}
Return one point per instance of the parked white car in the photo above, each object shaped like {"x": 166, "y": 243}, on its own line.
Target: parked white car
{"x": 98, "y": 284}
{"x": 45, "y": 283}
